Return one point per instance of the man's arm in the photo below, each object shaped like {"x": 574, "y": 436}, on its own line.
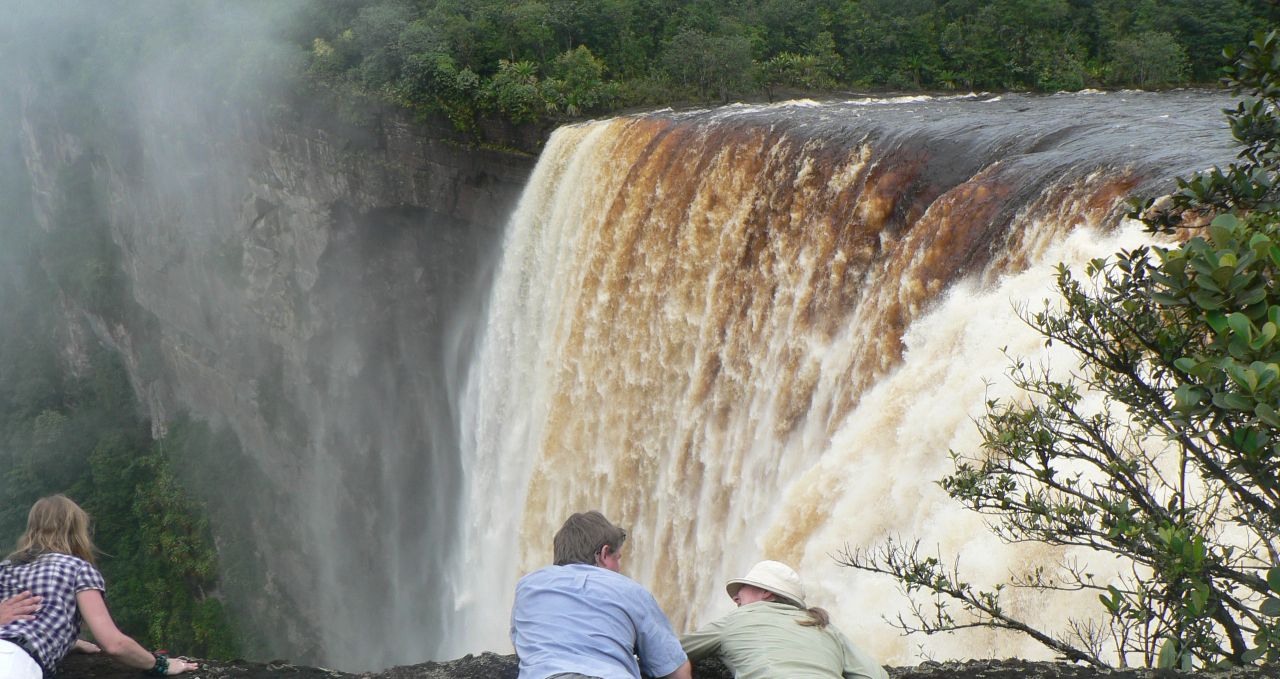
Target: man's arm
{"x": 657, "y": 646}
{"x": 20, "y": 606}
{"x": 684, "y": 671}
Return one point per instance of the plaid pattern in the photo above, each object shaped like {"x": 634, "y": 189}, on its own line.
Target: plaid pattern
{"x": 57, "y": 578}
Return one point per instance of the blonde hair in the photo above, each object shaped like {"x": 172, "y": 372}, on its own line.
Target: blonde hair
{"x": 818, "y": 617}
{"x": 55, "y": 524}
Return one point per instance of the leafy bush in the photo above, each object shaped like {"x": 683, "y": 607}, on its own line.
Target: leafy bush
{"x": 576, "y": 84}
{"x": 515, "y": 91}
{"x": 1149, "y": 59}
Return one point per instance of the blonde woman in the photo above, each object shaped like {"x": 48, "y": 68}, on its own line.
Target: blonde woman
{"x": 55, "y": 561}
{"x": 773, "y": 635}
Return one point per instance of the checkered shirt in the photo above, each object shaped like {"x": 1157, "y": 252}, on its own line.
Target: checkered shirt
{"x": 57, "y": 578}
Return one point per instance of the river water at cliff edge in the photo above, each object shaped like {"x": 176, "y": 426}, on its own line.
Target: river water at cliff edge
{"x": 756, "y": 331}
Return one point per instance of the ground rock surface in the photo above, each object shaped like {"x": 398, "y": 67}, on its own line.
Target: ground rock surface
{"x": 494, "y": 666}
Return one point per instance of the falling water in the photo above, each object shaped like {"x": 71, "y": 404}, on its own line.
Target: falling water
{"x": 755, "y": 332}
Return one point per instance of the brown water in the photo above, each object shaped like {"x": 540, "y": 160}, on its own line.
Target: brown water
{"x": 755, "y": 332}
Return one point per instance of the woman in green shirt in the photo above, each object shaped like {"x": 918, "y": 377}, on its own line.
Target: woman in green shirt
{"x": 773, "y": 635}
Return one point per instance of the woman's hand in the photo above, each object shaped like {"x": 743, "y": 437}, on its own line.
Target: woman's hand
{"x": 180, "y": 665}
{"x": 87, "y": 646}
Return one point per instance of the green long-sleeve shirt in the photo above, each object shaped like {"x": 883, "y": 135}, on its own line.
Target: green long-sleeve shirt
{"x": 764, "y": 640}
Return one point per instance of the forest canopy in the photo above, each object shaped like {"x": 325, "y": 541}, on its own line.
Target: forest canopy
{"x": 524, "y": 60}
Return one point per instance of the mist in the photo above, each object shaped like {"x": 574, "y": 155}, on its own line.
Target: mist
{"x": 262, "y": 291}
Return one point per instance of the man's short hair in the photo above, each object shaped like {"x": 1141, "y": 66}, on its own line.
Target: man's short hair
{"x": 583, "y": 535}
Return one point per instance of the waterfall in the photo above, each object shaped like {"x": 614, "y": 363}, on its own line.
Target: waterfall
{"x": 755, "y": 332}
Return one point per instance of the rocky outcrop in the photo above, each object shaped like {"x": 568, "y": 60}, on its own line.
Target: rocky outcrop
{"x": 493, "y": 666}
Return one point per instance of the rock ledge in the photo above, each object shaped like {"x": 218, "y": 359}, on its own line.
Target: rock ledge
{"x": 494, "y": 666}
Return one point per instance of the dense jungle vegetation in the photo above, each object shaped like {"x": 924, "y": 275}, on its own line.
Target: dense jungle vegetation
{"x": 70, "y": 424}
{"x": 525, "y": 60}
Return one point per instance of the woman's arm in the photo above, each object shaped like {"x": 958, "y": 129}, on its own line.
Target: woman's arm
{"x": 20, "y": 606}
{"x": 857, "y": 663}
{"x": 704, "y": 642}
{"x": 93, "y": 608}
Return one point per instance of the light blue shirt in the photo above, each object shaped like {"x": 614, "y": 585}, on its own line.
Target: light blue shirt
{"x": 589, "y": 620}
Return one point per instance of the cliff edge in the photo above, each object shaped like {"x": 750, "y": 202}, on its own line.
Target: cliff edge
{"x": 494, "y": 666}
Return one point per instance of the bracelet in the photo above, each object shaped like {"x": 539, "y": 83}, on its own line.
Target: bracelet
{"x": 161, "y": 667}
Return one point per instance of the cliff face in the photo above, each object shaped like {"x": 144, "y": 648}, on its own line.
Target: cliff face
{"x": 307, "y": 286}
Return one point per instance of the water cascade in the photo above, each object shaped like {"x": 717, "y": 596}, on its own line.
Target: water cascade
{"x": 755, "y": 332}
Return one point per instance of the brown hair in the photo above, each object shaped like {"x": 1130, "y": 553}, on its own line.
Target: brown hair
{"x": 55, "y": 524}
{"x": 583, "y": 535}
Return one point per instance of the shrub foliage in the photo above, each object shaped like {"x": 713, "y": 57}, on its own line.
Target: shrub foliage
{"x": 1175, "y": 469}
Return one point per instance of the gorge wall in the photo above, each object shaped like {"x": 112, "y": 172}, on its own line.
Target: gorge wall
{"x": 305, "y": 285}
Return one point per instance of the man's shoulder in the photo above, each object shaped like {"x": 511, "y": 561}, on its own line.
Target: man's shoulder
{"x": 580, "y": 575}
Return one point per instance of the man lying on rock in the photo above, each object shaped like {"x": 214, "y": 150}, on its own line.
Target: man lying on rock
{"x": 581, "y": 618}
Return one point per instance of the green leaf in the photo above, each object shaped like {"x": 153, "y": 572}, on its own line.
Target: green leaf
{"x": 1186, "y": 364}
{"x": 1265, "y": 336}
{"x": 1187, "y": 396}
{"x": 1207, "y": 301}
{"x": 1270, "y": 607}
{"x": 1251, "y": 296}
{"x": 1214, "y": 283}
{"x": 1269, "y": 417}
{"x": 1273, "y": 579}
{"x": 1222, "y": 228}
{"x": 1224, "y": 399}
{"x": 1240, "y": 325}
{"x": 1244, "y": 377}
{"x": 1168, "y": 657}
{"x": 1267, "y": 373}
{"x": 1217, "y": 321}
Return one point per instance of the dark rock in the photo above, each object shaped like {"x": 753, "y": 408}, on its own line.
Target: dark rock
{"x": 483, "y": 666}
{"x": 494, "y": 666}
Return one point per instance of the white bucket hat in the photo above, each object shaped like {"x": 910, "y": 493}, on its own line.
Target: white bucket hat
{"x": 775, "y": 576}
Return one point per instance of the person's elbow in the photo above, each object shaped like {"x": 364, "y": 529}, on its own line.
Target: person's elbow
{"x": 875, "y": 672}
{"x": 684, "y": 671}
{"x": 114, "y": 645}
